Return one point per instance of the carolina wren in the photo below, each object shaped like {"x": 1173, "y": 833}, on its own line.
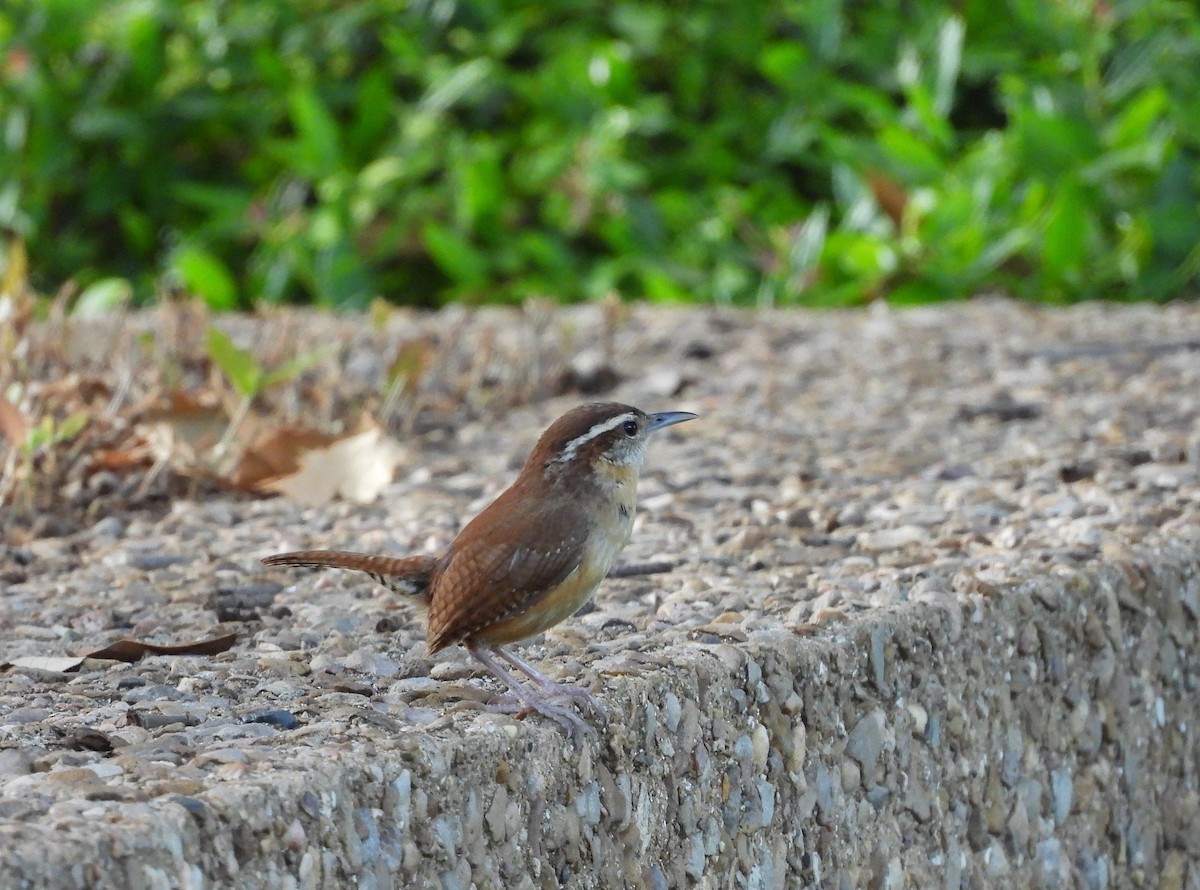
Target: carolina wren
{"x": 533, "y": 556}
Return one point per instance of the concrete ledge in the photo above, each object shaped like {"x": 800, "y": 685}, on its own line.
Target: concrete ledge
{"x": 1040, "y": 736}
{"x": 934, "y": 625}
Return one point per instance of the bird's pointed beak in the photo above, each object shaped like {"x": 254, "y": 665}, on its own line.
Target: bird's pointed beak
{"x": 668, "y": 418}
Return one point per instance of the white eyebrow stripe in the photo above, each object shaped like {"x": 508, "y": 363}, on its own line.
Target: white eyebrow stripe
{"x": 570, "y": 449}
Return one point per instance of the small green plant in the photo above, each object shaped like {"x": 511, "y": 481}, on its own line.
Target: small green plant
{"x": 50, "y": 432}
{"x": 102, "y": 297}
{"x": 41, "y": 441}
{"x": 249, "y": 379}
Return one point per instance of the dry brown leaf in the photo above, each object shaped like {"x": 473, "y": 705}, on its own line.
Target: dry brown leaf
{"x": 118, "y": 460}
{"x": 121, "y": 650}
{"x": 357, "y": 468}
{"x": 13, "y": 425}
{"x": 74, "y": 392}
{"x": 59, "y": 664}
{"x": 133, "y": 650}
{"x": 200, "y": 421}
{"x": 274, "y": 454}
{"x": 142, "y": 446}
{"x": 889, "y": 195}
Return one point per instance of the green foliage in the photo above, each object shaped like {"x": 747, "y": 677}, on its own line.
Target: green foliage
{"x": 245, "y": 374}
{"x": 51, "y": 432}
{"x": 237, "y": 364}
{"x": 102, "y": 297}
{"x": 802, "y": 151}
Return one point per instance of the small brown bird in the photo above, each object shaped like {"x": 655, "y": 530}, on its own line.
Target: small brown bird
{"x": 533, "y": 556}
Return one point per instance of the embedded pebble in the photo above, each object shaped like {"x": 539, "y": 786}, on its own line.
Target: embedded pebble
{"x": 14, "y": 762}
{"x": 865, "y": 742}
{"x": 372, "y": 663}
{"x": 892, "y": 538}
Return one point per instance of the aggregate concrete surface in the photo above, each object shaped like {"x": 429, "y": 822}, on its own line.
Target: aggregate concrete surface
{"x": 931, "y": 621}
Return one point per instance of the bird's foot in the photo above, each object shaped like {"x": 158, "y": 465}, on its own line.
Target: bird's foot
{"x": 545, "y": 697}
{"x": 548, "y": 687}
{"x": 529, "y": 702}
{"x": 577, "y": 694}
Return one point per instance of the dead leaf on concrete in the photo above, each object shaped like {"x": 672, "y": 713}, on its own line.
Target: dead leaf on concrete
{"x": 122, "y": 650}
{"x": 58, "y": 664}
{"x": 197, "y": 420}
{"x": 274, "y": 454}
{"x": 357, "y": 468}
{"x": 133, "y": 650}
{"x": 130, "y": 456}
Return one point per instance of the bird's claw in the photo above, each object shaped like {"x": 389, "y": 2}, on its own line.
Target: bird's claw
{"x": 535, "y": 703}
{"x": 576, "y": 694}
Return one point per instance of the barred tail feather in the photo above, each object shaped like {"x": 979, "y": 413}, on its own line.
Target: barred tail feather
{"x": 409, "y": 575}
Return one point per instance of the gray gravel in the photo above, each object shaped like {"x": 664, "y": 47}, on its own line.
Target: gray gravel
{"x": 932, "y": 623}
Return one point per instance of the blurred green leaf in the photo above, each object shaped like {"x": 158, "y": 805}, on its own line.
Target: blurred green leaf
{"x": 295, "y": 367}
{"x": 949, "y": 63}
{"x": 455, "y": 85}
{"x": 341, "y": 278}
{"x": 805, "y": 250}
{"x": 1134, "y": 123}
{"x": 456, "y": 257}
{"x": 206, "y": 276}
{"x": 374, "y": 111}
{"x": 38, "y": 435}
{"x": 916, "y": 292}
{"x": 71, "y": 426}
{"x": 784, "y": 62}
{"x": 316, "y": 152}
{"x": 481, "y": 192}
{"x": 103, "y": 297}
{"x": 237, "y": 364}
{"x": 1064, "y": 243}
{"x": 910, "y": 155}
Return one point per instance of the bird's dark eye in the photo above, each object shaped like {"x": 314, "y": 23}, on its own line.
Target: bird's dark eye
{"x": 630, "y": 427}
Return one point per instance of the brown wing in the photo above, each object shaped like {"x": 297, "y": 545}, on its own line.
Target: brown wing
{"x": 504, "y": 561}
